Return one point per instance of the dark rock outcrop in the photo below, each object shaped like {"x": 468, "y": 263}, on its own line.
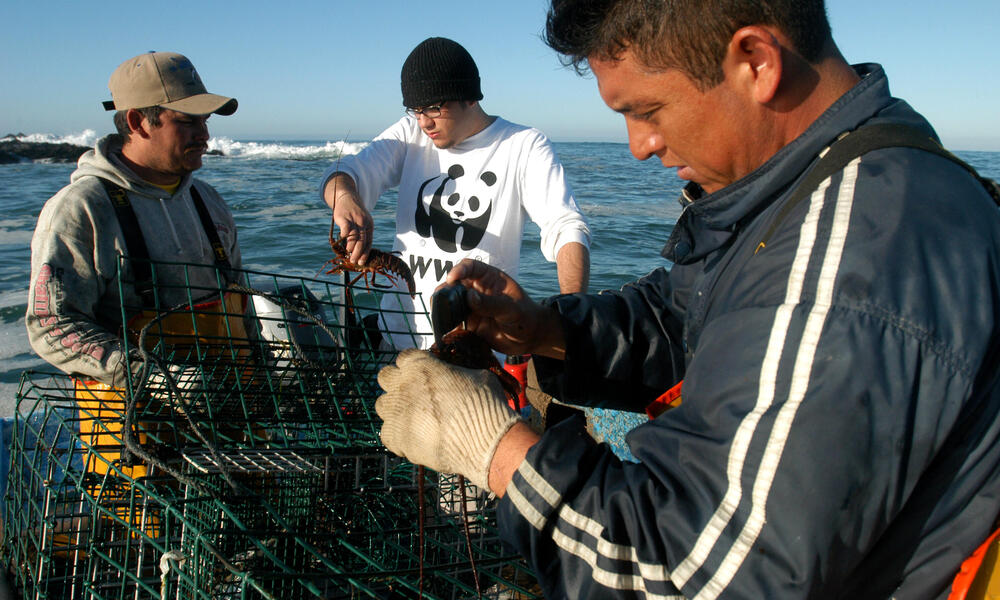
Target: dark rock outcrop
{"x": 13, "y": 150}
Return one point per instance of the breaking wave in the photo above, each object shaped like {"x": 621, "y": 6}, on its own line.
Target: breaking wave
{"x": 86, "y": 138}
{"x": 287, "y": 151}
{"x": 263, "y": 150}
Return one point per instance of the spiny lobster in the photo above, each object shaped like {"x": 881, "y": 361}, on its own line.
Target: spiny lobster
{"x": 387, "y": 264}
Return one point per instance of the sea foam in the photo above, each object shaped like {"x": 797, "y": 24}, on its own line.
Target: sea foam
{"x": 85, "y": 138}
{"x": 287, "y": 151}
{"x": 263, "y": 150}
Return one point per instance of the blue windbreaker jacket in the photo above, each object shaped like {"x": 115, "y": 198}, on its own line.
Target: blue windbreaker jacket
{"x": 838, "y": 436}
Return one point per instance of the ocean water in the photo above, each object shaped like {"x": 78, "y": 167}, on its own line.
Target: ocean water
{"x": 284, "y": 227}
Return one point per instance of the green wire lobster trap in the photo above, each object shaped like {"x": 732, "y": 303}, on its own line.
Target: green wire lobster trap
{"x": 241, "y": 460}
{"x": 295, "y": 358}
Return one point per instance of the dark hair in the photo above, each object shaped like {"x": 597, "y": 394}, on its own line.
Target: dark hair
{"x": 152, "y": 114}
{"x": 689, "y": 35}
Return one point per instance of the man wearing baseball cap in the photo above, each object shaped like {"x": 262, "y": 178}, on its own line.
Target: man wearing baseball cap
{"x": 466, "y": 181}
{"x": 133, "y": 195}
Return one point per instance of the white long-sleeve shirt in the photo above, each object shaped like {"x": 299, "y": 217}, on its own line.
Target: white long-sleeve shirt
{"x": 467, "y": 201}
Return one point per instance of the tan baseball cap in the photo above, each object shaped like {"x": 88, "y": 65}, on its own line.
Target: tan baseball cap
{"x": 164, "y": 79}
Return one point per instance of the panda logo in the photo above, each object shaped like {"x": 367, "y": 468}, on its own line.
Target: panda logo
{"x": 456, "y": 219}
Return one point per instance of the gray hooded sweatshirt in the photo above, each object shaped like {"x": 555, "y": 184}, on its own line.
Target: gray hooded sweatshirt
{"x": 74, "y": 316}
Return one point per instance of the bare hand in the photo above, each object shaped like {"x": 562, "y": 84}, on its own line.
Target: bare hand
{"x": 503, "y": 314}
{"x": 350, "y": 216}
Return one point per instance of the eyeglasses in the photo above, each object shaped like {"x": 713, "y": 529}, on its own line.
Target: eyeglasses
{"x": 431, "y": 112}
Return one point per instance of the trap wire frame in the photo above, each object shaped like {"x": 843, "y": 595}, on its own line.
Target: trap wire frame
{"x": 281, "y": 523}
{"x": 266, "y": 383}
{"x": 245, "y": 358}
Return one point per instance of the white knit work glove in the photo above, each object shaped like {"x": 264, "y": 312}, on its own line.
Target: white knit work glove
{"x": 444, "y": 417}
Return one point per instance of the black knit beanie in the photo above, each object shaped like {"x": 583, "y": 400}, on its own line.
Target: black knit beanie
{"x": 439, "y": 70}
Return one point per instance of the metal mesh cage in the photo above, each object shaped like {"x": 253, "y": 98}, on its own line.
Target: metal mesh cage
{"x": 260, "y": 358}
{"x": 241, "y": 523}
{"x": 242, "y": 461}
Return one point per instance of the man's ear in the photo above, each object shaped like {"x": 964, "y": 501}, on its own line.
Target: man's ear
{"x": 137, "y": 124}
{"x": 754, "y": 59}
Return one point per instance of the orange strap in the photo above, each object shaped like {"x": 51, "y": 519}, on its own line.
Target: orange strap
{"x": 517, "y": 365}
{"x": 669, "y": 399}
{"x": 964, "y": 582}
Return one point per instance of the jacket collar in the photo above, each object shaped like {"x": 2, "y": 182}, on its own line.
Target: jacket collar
{"x": 707, "y": 221}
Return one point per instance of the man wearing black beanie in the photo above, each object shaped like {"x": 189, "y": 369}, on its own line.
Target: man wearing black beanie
{"x": 466, "y": 182}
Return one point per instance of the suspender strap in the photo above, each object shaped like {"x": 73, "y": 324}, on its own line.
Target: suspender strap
{"x": 859, "y": 142}
{"x": 221, "y": 258}
{"x": 135, "y": 244}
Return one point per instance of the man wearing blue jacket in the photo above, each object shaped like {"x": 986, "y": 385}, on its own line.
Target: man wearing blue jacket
{"x": 837, "y": 435}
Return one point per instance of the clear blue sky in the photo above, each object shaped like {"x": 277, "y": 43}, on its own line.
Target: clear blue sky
{"x": 323, "y": 70}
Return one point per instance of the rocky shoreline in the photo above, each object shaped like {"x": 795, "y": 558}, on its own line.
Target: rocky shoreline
{"x": 13, "y": 150}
